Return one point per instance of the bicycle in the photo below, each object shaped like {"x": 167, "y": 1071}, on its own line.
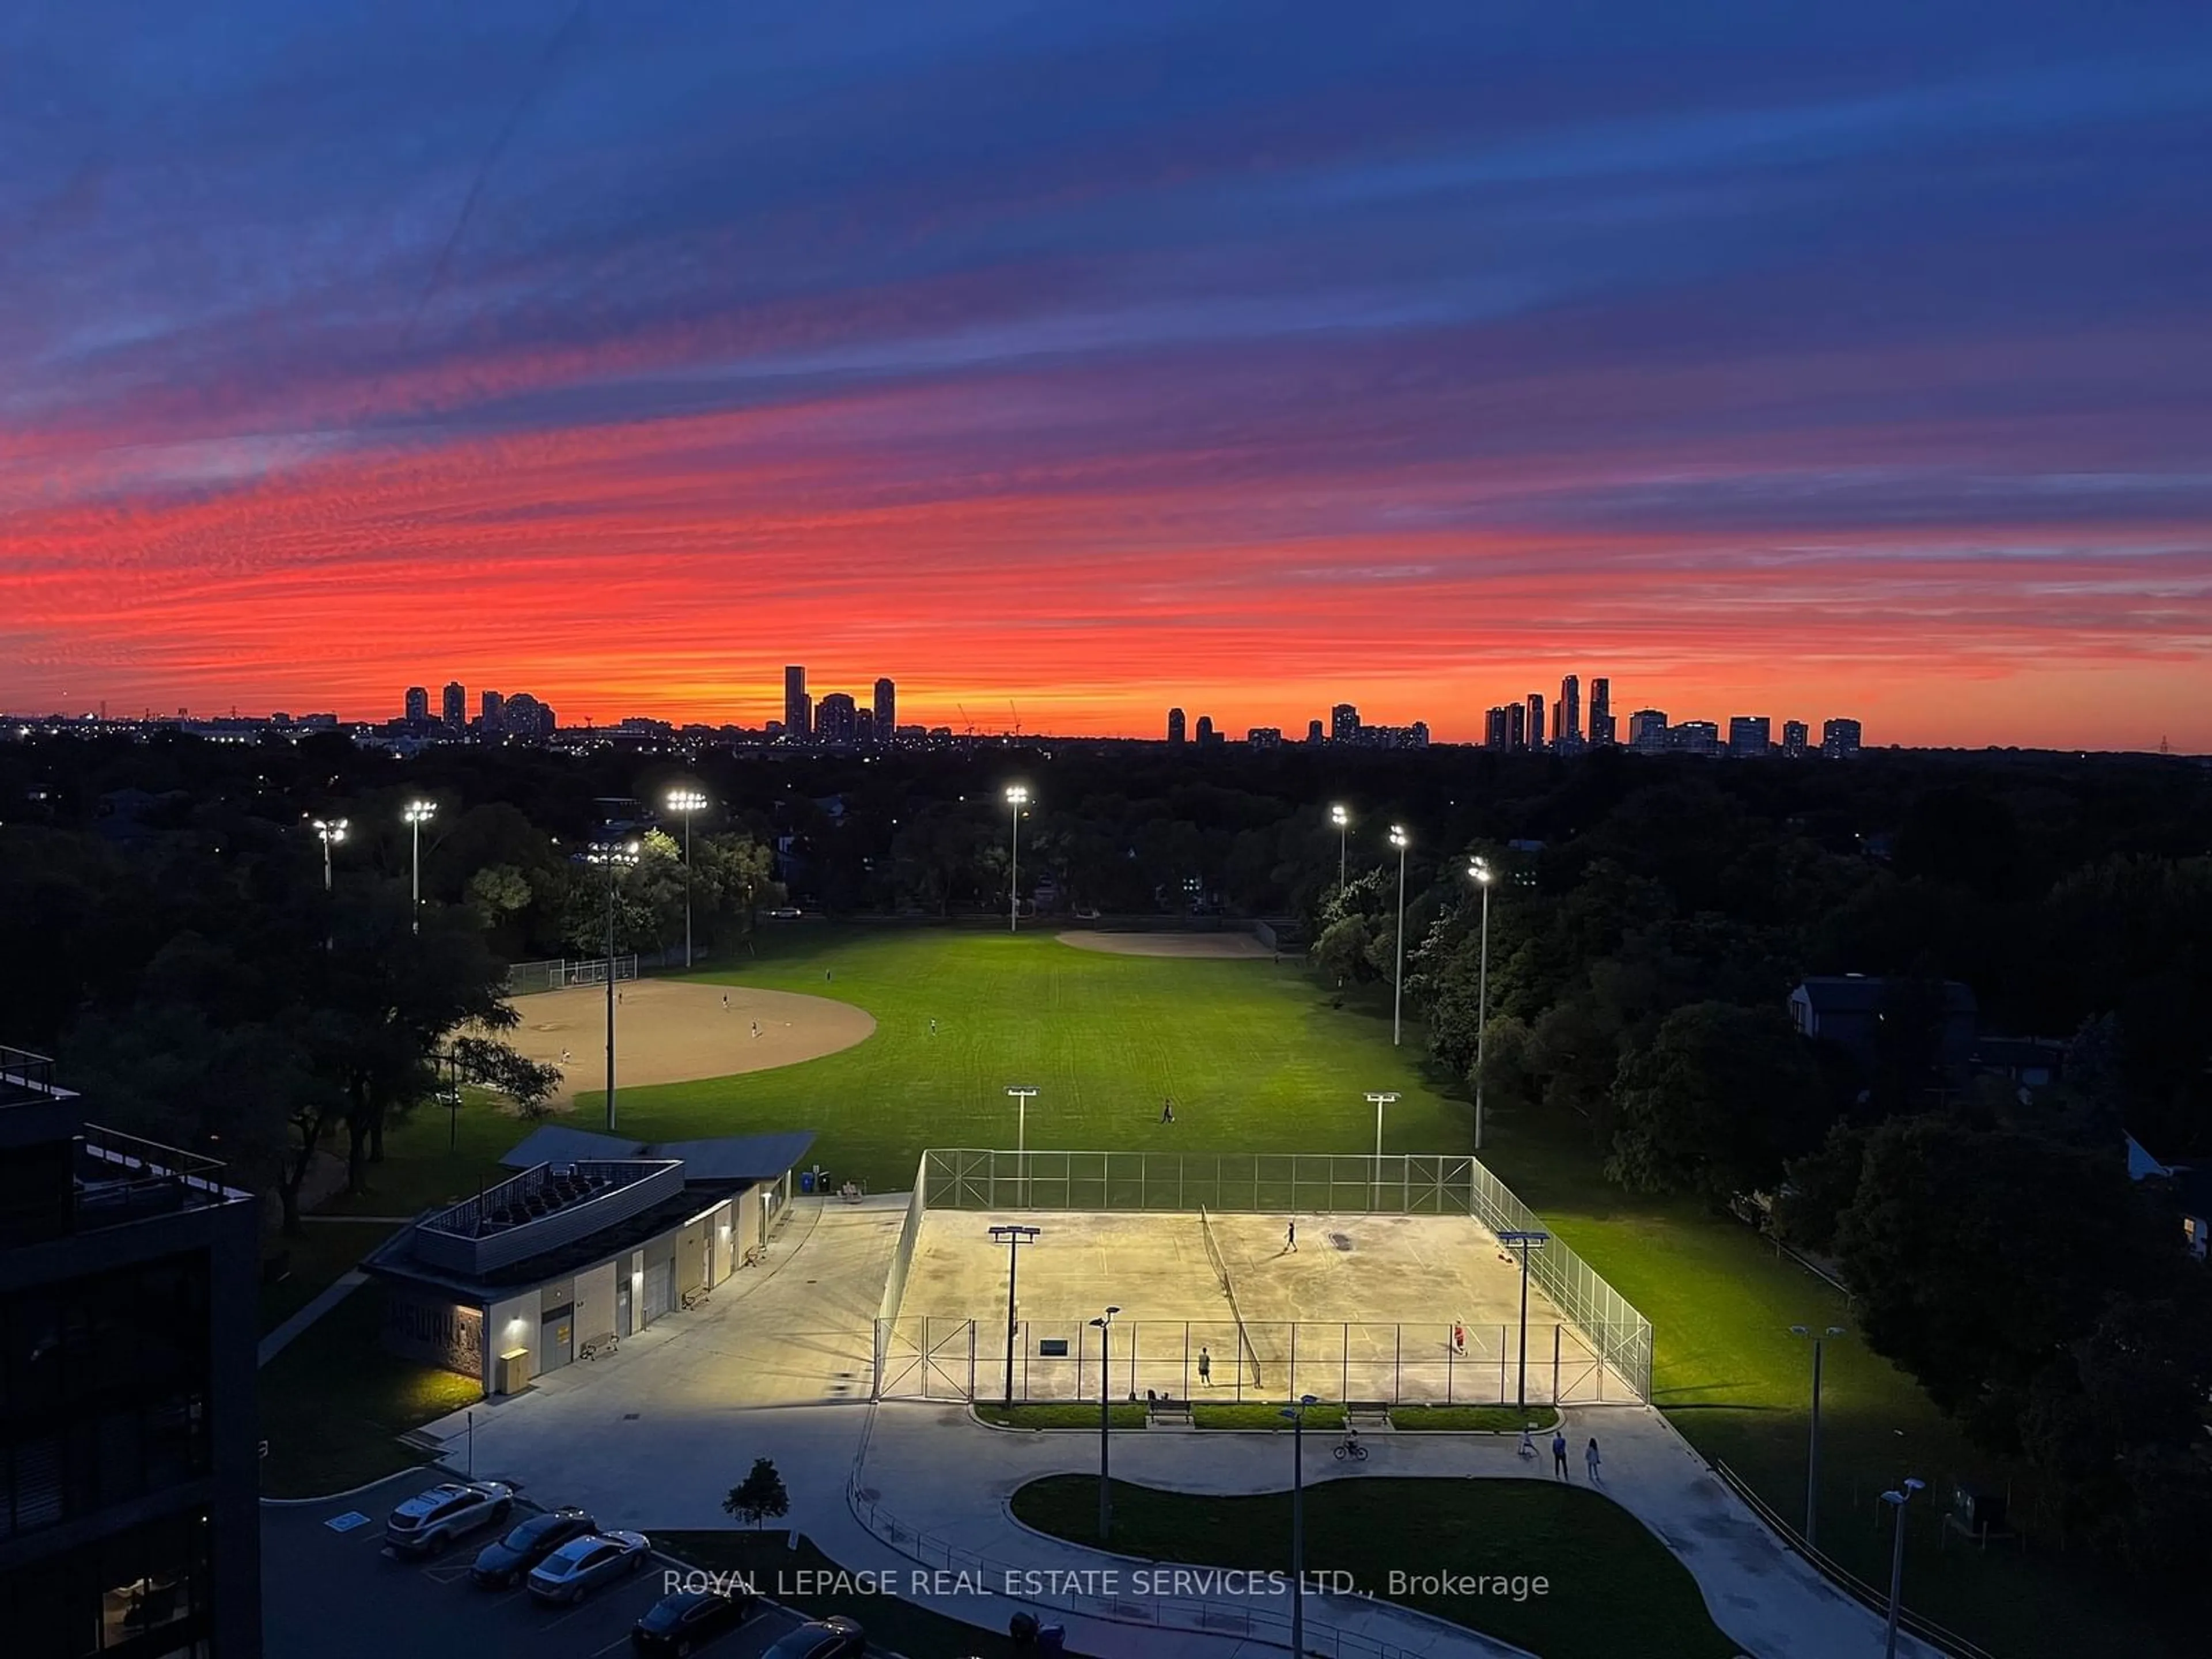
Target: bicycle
{"x": 1351, "y": 1447}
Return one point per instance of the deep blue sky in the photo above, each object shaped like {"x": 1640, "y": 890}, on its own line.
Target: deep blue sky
{"x": 1770, "y": 358}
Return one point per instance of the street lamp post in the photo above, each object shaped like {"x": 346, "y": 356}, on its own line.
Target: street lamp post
{"x": 1402, "y": 840}
{"x": 1022, "y": 1094}
{"x": 416, "y": 814}
{"x": 1896, "y": 1500}
{"x": 1528, "y": 1241}
{"x": 1297, "y": 1414}
{"x": 1479, "y": 869}
{"x": 1342, "y": 819}
{"x": 1813, "y": 1447}
{"x": 616, "y": 856}
{"x": 687, "y": 801}
{"x": 1017, "y": 797}
{"x": 1013, "y": 1237}
{"x": 1104, "y": 1327}
{"x": 1380, "y": 1101}
{"x": 332, "y": 830}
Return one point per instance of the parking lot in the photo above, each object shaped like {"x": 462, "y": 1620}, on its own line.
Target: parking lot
{"x": 328, "y": 1594}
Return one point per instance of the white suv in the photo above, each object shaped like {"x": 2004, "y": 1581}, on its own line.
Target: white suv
{"x": 431, "y": 1520}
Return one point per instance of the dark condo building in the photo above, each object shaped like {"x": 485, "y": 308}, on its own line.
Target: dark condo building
{"x": 130, "y": 1517}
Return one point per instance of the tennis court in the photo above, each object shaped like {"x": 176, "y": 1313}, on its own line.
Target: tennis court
{"x": 1368, "y": 1307}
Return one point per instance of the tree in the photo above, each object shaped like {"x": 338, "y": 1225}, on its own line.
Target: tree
{"x": 761, "y": 1498}
{"x": 1344, "y": 950}
{"x": 1977, "y": 1253}
{"x": 1720, "y": 1098}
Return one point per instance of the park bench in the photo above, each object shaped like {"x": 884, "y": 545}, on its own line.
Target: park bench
{"x": 1168, "y": 1413}
{"x": 604, "y": 1342}
{"x": 696, "y": 1297}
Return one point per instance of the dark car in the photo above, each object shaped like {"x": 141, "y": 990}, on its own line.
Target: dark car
{"x": 836, "y": 1638}
{"x": 681, "y": 1623}
{"x": 509, "y": 1561}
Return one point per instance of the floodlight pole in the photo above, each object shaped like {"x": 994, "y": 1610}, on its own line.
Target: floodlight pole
{"x": 1527, "y": 1241}
{"x": 1342, "y": 819}
{"x": 416, "y": 812}
{"x": 1896, "y": 1500}
{"x": 1381, "y": 1100}
{"x": 1104, "y": 1327}
{"x": 687, "y": 801}
{"x": 1013, "y": 1237}
{"x": 1023, "y": 1093}
{"x": 1298, "y": 1417}
{"x": 1481, "y": 872}
{"x": 1812, "y": 1446}
{"x": 1017, "y": 798}
{"x": 1400, "y": 839}
{"x": 614, "y": 857}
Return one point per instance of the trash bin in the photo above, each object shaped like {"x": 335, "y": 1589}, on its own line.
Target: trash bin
{"x": 806, "y": 1181}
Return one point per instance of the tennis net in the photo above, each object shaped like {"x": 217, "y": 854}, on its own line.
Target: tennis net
{"x": 1248, "y": 1356}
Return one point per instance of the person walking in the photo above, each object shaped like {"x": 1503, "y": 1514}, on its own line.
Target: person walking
{"x": 1559, "y": 1456}
{"x": 1290, "y": 1237}
{"x": 566, "y": 1057}
{"x": 932, "y": 1028}
{"x": 1527, "y": 1442}
{"x": 726, "y": 1002}
{"x": 827, "y": 975}
{"x": 756, "y": 1028}
{"x": 1591, "y": 1458}
{"x": 1167, "y": 1110}
{"x": 1205, "y": 1367}
{"x": 1459, "y": 1338}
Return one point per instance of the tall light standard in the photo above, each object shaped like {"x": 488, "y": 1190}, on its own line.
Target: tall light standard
{"x": 1104, "y": 1327}
{"x": 332, "y": 831}
{"x": 1342, "y": 819}
{"x": 1297, "y": 1416}
{"x": 1022, "y": 1094}
{"x": 1812, "y": 1448}
{"x": 416, "y": 814}
{"x": 1402, "y": 840}
{"x": 1528, "y": 1241}
{"x": 1479, "y": 869}
{"x": 1017, "y": 797}
{"x": 687, "y": 801}
{"x": 1379, "y": 1101}
{"x": 616, "y": 856}
{"x": 1013, "y": 1237}
{"x": 1896, "y": 1500}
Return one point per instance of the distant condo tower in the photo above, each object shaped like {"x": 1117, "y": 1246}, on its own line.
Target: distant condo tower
{"x": 1174, "y": 727}
{"x": 798, "y": 710}
{"x": 886, "y": 710}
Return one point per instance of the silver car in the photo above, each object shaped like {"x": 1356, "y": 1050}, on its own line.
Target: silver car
{"x": 431, "y": 1520}
{"x": 580, "y": 1566}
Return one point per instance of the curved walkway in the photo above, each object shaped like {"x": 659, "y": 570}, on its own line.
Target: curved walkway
{"x": 937, "y": 1472}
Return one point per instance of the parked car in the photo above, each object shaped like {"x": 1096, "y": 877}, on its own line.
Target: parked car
{"x": 783, "y": 913}
{"x": 582, "y": 1565}
{"x": 681, "y": 1623}
{"x": 834, "y": 1638}
{"x": 431, "y": 1520}
{"x": 509, "y": 1559}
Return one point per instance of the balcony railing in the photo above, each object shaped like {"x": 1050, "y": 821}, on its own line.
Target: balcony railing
{"x": 24, "y": 1075}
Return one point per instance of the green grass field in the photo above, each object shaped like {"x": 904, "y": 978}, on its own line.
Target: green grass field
{"x": 1610, "y": 1587}
{"x": 1257, "y": 1059}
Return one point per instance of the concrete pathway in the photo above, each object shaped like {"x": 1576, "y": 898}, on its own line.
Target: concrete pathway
{"x": 278, "y": 1340}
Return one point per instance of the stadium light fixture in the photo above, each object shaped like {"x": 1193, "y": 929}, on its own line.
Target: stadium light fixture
{"x": 1806, "y": 1332}
{"x": 1017, "y": 797}
{"x": 332, "y": 830}
{"x": 1341, "y": 818}
{"x": 1479, "y": 869}
{"x": 1402, "y": 840}
{"x": 415, "y": 814}
{"x": 687, "y": 801}
{"x": 1387, "y": 1097}
{"x": 1297, "y": 1415}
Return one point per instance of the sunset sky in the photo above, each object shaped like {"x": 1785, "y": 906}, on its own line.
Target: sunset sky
{"x": 1080, "y": 359}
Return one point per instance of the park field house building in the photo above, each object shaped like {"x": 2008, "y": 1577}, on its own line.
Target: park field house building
{"x": 130, "y": 1501}
{"x": 592, "y": 1239}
